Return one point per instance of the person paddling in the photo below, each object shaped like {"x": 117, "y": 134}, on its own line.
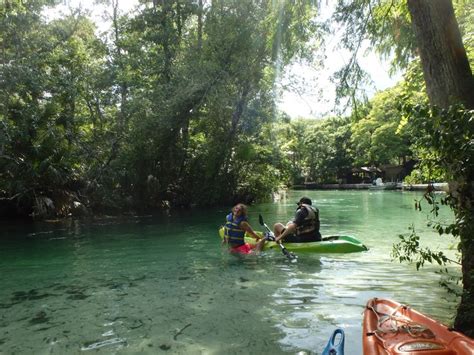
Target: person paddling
{"x": 234, "y": 231}
{"x": 304, "y": 227}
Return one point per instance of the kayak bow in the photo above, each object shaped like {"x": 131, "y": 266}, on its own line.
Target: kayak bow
{"x": 393, "y": 328}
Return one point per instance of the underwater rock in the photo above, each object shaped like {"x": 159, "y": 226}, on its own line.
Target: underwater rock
{"x": 21, "y": 296}
{"x": 165, "y": 347}
{"x": 76, "y": 293}
{"x": 120, "y": 285}
{"x": 137, "y": 323}
{"x": 58, "y": 286}
{"x": 39, "y": 318}
{"x": 78, "y": 296}
{"x": 75, "y": 289}
{"x": 141, "y": 278}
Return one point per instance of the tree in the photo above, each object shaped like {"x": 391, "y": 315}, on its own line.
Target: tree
{"x": 446, "y": 68}
{"x": 327, "y": 150}
{"x": 199, "y": 80}
{"x": 49, "y": 70}
{"x": 377, "y": 137}
{"x": 433, "y": 32}
{"x": 449, "y": 81}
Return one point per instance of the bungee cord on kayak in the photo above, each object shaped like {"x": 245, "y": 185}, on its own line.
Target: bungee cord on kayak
{"x": 393, "y": 328}
{"x": 397, "y": 323}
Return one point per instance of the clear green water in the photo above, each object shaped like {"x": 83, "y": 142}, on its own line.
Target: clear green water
{"x": 148, "y": 285}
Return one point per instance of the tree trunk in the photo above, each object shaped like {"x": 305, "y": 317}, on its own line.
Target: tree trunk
{"x": 449, "y": 81}
{"x": 200, "y": 11}
{"x": 122, "y": 117}
{"x": 179, "y": 20}
{"x": 446, "y": 68}
{"x": 464, "y": 320}
{"x": 240, "y": 106}
{"x": 167, "y": 38}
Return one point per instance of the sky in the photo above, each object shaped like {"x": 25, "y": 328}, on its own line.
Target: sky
{"x": 315, "y": 96}
{"x": 309, "y": 91}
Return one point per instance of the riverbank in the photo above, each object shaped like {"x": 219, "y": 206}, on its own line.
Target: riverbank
{"x": 443, "y": 186}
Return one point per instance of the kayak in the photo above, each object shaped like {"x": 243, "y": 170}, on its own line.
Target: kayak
{"x": 332, "y": 244}
{"x": 393, "y": 328}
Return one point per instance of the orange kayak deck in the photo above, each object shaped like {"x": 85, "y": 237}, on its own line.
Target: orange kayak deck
{"x": 392, "y": 328}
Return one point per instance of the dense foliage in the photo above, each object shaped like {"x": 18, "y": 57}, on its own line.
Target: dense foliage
{"x": 171, "y": 107}
{"x": 174, "y": 106}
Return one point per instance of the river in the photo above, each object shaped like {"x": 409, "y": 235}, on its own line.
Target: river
{"x": 165, "y": 285}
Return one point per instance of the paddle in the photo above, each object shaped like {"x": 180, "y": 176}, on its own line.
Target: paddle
{"x": 333, "y": 347}
{"x": 292, "y": 257}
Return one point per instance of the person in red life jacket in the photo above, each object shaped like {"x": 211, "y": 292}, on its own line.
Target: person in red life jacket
{"x": 234, "y": 231}
{"x": 303, "y": 228}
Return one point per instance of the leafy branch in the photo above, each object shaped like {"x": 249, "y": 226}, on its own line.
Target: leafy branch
{"x": 409, "y": 250}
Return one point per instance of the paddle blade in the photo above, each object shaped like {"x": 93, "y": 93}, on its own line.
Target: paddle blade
{"x": 335, "y": 347}
{"x": 260, "y": 219}
{"x": 292, "y": 257}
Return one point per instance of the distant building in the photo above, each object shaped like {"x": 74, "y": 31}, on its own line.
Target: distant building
{"x": 388, "y": 172}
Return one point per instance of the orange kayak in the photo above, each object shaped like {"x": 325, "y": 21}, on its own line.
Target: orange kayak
{"x": 394, "y": 328}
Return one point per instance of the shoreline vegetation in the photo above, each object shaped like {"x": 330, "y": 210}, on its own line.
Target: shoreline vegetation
{"x": 438, "y": 186}
{"x": 85, "y": 213}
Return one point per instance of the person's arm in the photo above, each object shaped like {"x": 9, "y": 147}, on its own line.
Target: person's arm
{"x": 289, "y": 229}
{"x": 291, "y": 226}
{"x": 246, "y": 227}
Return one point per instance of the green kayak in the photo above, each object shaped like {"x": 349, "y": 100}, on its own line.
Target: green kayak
{"x": 332, "y": 244}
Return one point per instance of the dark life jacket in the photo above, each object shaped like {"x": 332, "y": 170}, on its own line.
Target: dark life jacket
{"x": 232, "y": 231}
{"x": 311, "y": 222}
